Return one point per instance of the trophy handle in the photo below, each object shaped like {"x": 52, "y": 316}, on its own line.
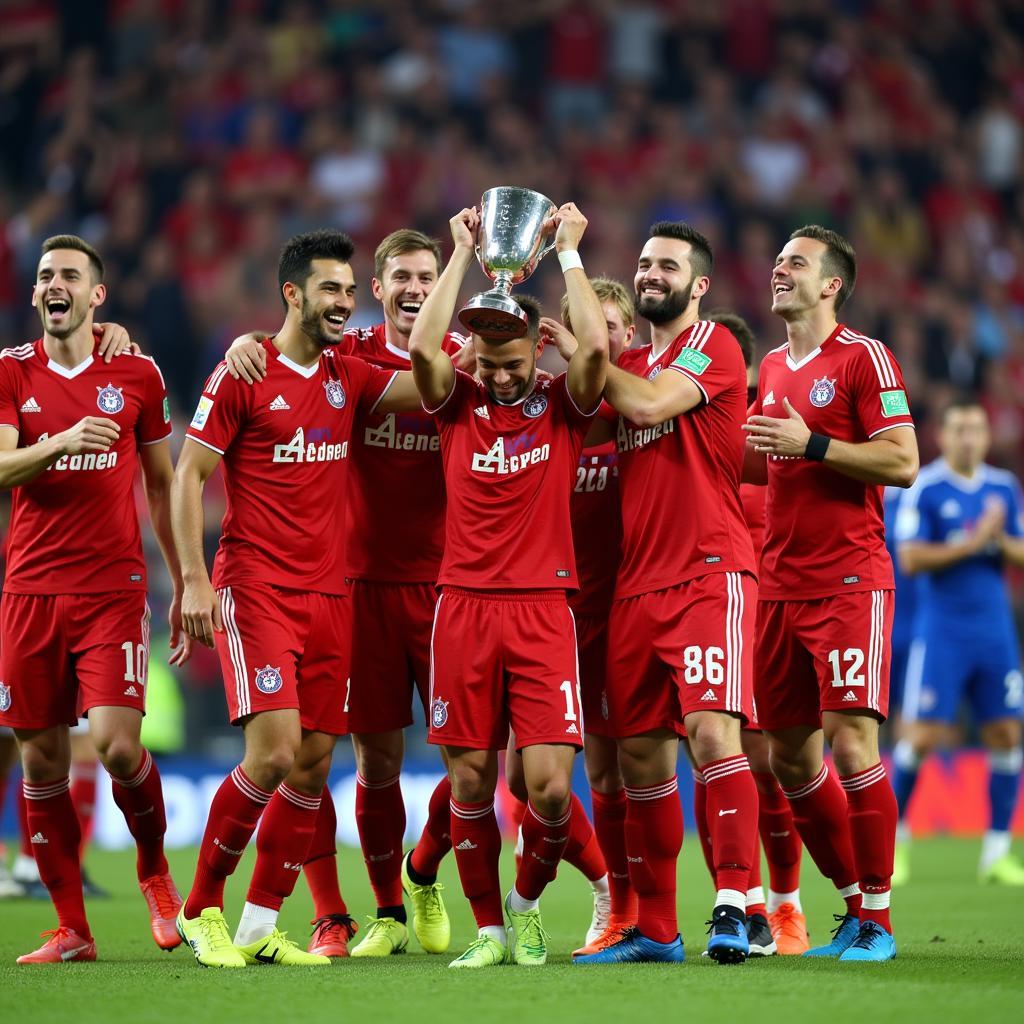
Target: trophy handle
{"x": 547, "y": 248}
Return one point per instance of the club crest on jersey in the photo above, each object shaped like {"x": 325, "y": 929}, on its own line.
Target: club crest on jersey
{"x": 438, "y": 713}
{"x": 110, "y": 399}
{"x": 654, "y": 371}
{"x": 822, "y": 392}
{"x": 335, "y": 393}
{"x": 5, "y": 697}
{"x": 534, "y": 406}
{"x": 268, "y": 680}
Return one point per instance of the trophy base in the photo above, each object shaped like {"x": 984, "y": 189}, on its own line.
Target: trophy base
{"x": 494, "y": 316}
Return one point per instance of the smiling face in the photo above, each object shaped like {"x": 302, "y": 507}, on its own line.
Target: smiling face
{"x": 799, "y": 283}
{"x": 406, "y": 280}
{"x": 664, "y": 281}
{"x": 325, "y": 302}
{"x": 65, "y": 291}
{"x": 507, "y": 369}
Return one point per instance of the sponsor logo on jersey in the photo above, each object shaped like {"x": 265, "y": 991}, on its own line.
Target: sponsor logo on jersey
{"x": 823, "y": 391}
{"x": 299, "y": 450}
{"x": 279, "y": 404}
{"x": 653, "y": 372}
{"x": 31, "y": 405}
{"x": 894, "y": 403}
{"x": 628, "y": 439}
{"x": 387, "y": 435}
{"x": 5, "y": 697}
{"x": 768, "y": 399}
{"x": 692, "y": 361}
{"x": 83, "y": 461}
{"x": 202, "y": 413}
{"x": 535, "y": 406}
{"x": 483, "y": 412}
{"x": 268, "y": 680}
{"x": 110, "y": 399}
{"x": 335, "y": 393}
{"x": 496, "y": 461}
{"x": 439, "y": 714}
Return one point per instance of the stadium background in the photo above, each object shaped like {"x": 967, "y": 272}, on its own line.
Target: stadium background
{"x": 187, "y": 140}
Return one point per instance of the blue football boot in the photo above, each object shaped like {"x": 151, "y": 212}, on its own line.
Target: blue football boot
{"x": 873, "y": 943}
{"x": 728, "y": 942}
{"x": 842, "y": 937}
{"x": 635, "y": 948}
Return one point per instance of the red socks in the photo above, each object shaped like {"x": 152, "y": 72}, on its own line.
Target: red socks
{"x": 55, "y": 836}
{"x": 610, "y": 829}
{"x": 282, "y": 845}
{"x": 235, "y": 810}
{"x": 141, "y": 800}
{"x": 436, "y": 839}
{"x": 544, "y": 842}
{"x": 700, "y": 814}
{"x": 83, "y": 796}
{"x": 873, "y": 816}
{"x": 779, "y": 836}
{"x": 654, "y": 837}
{"x": 476, "y": 840}
{"x": 820, "y": 814}
{"x": 321, "y": 867}
{"x": 380, "y": 818}
{"x": 582, "y": 849}
{"x": 732, "y": 819}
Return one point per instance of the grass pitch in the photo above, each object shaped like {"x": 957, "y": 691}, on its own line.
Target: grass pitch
{"x": 960, "y": 958}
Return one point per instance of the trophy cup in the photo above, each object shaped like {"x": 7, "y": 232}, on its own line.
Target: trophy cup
{"x": 509, "y": 248}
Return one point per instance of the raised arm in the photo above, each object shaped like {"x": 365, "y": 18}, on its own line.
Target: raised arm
{"x": 431, "y": 366}
{"x": 21, "y": 465}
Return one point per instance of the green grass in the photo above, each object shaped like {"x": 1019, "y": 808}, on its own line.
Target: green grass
{"x": 960, "y": 957}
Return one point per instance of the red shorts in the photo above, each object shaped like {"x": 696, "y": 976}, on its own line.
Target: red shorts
{"x": 831, "y": 654}
{"x": 62, "y": 654}
{"x": 501, "y": 658}
{"x": 683, "y": 649}
{"x": 286, "y": 649}
{"x": 391, "y": 624}
{"x": 592, "y": 641}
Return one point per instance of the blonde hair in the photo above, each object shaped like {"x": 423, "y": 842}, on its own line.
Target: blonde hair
{"x": 606, "y": 289}
{"x": 403, "y": 241}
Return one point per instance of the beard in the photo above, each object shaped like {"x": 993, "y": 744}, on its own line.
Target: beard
{"x": 312, "y": 325}
{"x": 75, "y": 319}
{"x": 665, "y": 309}
{"x": 521, "y": 390}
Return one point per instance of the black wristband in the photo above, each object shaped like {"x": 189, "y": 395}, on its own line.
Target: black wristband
{"x": 817, "y": 445}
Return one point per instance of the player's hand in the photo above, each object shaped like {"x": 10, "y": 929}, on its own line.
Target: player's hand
{"x": 569, "y": 224}
{"x": 786, "y": 437}
{"x": 247, "y": 358}
{"x": 89, "y": 434}
{"x": 114, "y": 341}
{"x": 991, "y": 524}
{"x": 465, "y": 227}
{"x": 554, "y": 333}
{"x": 180, "y": 642}
{"x": 465, "y": 359}
{"x": 200, "y": 612}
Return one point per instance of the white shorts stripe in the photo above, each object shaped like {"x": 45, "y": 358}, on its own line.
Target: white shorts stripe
{"x": 234, "y": 638}
{"x": 433, "y": 630}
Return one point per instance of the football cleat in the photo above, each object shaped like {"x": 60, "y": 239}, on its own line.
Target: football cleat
{"x": 430, "y": 921}
{"x": 278, "y": 950}
{"x": 900, "y": 864}
{"x": 164, "y": 902}
{"x": 615, "y": 931}
{"x": 1007, "y": 870}
{"x": 207, "y": 936}
{"x": 760, "y": 940}
{"x": 634, "y": 948}
{"x": 873, "y": 943}
{"x": 331, "y": 934}
{"x": 63, "y": 946}
{"x": 728, "y": 943}
{"x": 384, "y": 937}
{"x": 602, "y": 917}
{"x": 529, "y": 940}
{"x": 789, "y": 929}
{"x": 842, "y": 937}
{"x": 482, "y": 952}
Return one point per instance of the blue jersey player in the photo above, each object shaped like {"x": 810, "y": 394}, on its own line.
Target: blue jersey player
{"x": 905, "y": 613}
{"x": 958, "y": 528}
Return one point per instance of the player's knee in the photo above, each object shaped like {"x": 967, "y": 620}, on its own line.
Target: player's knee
{"x": 268, "y": 768}
{"x": 120, "y": 756}
{"x": 471, "y": 784}
{"x": 516, "y": 783}
{"x": 42, "y": 764}
{"x": 713, "y": 737}
{"x": 380, "y": 758}
{"x": 604, "y": 775}
{"x": 551, "y": 798}
{"x": 852, "y": 752}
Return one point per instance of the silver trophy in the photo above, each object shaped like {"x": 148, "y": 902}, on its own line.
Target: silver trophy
{"x": 509, "y": 248}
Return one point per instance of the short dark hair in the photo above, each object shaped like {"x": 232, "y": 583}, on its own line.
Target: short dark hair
{"x": 959, "y": 404}
{"x": 79, "y": 245}
{"x": 740, "y": 330}
{"x": 702, "y": 261}
{"x": 531, "y": 307}
{"x": 295, "y": 263}
{"x": 400, "y": 242}
{"x": 839, "y": 260}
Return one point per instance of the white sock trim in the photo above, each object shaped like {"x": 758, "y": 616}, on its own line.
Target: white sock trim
{"x": 876, "y": 900}
{"x": 754, "y": 896}
{"x": 519, "y": 904}
{"x": 731, "y": 898}
{"x": 776, "y": 899}
{"x": 850, "y": 890}
{"x": 255, "y": 923}
{"x": 600, "y": 885}
{"x": 493, "y": 931}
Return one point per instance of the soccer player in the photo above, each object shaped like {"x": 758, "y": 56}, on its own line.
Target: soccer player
{"x": 679, "y": 657}
{"x": 958, "y": 528}
{"x": 74, "y": 623}
{"x": 279, "y": 616}
{"x": 832, "y": 420}
{"x": 393, "y": 560}
{"x": 510, "y": 444}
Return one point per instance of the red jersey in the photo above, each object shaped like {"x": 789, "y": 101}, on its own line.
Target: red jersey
{"x": 74, "y": 528}
{"x": 753, "y": 498}
{"x": 681, "y": 510}
{"x": 825, "y": 533}
{"x": 596, "y": 529}
{"x": 285, "y": 442}
{"x": 396, "y": 496}
{"x": 509, "y": 470}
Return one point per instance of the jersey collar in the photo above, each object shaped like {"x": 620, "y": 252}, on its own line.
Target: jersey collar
{"x": 810, "y": 355}
{"x": 302, "y": 371}
{"x": 63, "y": 371}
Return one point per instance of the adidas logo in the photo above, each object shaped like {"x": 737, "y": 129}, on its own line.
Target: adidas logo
{"x": 709, "y": 695}
{"x": 482, "y": 410}
{"x": 768, "y": 399}
{"x": 39, "y": 838}
{"x": 849, "y": 695}
{"x": 466, "y": 845}
{"x": 572, "y": 730}
{"x": 278, "y": 404}
{"x": 32, "y": 406}
{"x": 131, "y": 692}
